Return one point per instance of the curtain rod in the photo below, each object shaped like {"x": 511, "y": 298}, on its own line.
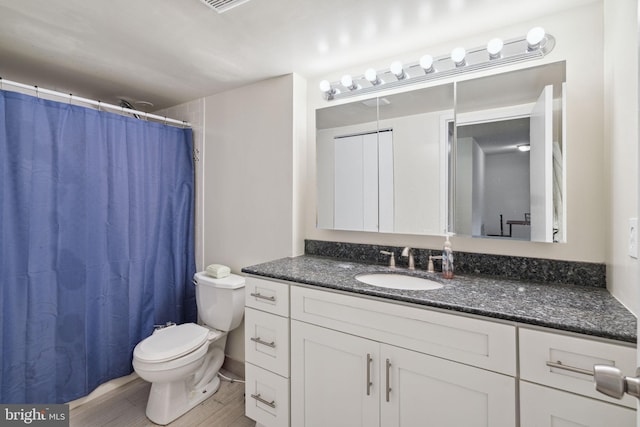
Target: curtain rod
{"x": 99, "y": 104}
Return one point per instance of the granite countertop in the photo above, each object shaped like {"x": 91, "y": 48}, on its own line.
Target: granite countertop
{"x": 582, "y": 309}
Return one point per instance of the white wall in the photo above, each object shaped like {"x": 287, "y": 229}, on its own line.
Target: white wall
{"x": 507, "y": 192}
{"x": 252, "y": 154}
{"x": 621, "y": 145}
{"x": 587, "y": 214}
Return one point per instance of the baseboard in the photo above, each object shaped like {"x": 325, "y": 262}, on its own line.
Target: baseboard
{"x": 234, "y": 367}
{"x": 103, "y": 389}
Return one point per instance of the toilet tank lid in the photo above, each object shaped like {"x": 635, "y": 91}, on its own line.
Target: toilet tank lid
{"x": 171, "y": 342}
{"x": 232, "y": 281}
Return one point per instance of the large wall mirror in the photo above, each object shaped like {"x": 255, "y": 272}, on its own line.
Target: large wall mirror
{"x": 382, "y": 163}
{"x": 507, "y": 160}
{"x": 428, "y": 162}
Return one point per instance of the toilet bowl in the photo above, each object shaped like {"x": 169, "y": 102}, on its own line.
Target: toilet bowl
{"x": 182, "y": 361}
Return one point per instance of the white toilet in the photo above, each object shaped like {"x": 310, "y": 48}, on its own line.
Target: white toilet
{"x": 182, "y": 361}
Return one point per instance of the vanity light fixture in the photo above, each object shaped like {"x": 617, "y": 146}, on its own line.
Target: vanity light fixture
{"x": 494, "y": 48}
{"x": 397, "y": 70}
{"x": 457, "y": 56}
{"x": 524, "y": 147}
{"x": 496, "y": 53}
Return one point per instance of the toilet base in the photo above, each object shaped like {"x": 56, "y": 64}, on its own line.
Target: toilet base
{"x": 168, "y": 401}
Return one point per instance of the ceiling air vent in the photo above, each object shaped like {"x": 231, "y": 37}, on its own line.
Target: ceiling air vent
{"x": 221, "y": 6}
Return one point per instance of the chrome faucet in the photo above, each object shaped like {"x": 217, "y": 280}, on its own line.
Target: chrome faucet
{"x": 408, "y": 252}
{"x": 392, "y": 258}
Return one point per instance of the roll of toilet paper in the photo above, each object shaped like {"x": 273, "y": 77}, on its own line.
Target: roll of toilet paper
{"x": 218, "y": 271}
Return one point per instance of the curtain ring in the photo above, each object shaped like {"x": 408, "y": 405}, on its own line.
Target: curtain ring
{"x": 70, "y": 96}
{"x": 1, "y": 87}
{"x": 37, "y": 93}
{"x": 165, "y": 120}
{"x": 99, "y": 105}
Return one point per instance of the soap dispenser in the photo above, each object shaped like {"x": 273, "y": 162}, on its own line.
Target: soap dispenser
{"x": 447, "y": 260}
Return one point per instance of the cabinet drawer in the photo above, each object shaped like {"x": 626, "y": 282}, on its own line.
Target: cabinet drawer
{"x": 545, "y": 357}
{"x": 266, "y": 295}
{"x": 266, "y": 397}
{"x": 543, "y": 406}
{"x": 472, "y": 341}
{"x": 267, "y": 341}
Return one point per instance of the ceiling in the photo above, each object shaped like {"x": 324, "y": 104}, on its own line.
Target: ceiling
{"x": 171, "y": 51}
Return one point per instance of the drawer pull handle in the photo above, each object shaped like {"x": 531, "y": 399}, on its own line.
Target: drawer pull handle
{"x": 257, "y": 397}
{"x": 387, "y": 378}
{"x": 260, "y": 296}
{"x": 559, "y": 365}
{"x": 369, "y": 383}
{"x": 271, "y": 344}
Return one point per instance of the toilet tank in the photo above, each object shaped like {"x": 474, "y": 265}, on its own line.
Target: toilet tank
{"x": 220, "y": 301}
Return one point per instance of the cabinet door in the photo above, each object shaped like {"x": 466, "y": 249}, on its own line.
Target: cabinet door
{"x": 421, "y": 390}
{"x": 334, "y": 378}
{"x": 543, "y": 406}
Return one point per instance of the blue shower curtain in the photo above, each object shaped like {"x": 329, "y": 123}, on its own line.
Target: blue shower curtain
{"x": 96, "y": 243}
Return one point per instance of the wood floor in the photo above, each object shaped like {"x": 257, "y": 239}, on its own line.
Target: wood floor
{"x": 125, "y": 407}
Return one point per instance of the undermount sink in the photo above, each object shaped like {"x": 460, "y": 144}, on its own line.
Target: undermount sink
{"x": 398, "y": 281}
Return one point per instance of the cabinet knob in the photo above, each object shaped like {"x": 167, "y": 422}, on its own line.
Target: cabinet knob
{"x": 610, "y": 381}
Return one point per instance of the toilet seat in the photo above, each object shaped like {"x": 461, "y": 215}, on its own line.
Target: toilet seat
{"x": 171, "y": 343}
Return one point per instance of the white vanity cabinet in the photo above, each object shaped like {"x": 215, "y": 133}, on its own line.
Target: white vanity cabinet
{"x": 556, "y": 381}
{"x": 318, "y": 358}
{"x": 356, "y": 361}
{"x": 266, "y": 330}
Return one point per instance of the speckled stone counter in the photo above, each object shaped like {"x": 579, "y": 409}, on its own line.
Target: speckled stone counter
{"x": 582, "y": 309}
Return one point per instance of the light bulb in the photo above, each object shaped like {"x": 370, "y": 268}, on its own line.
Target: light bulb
{"x": 325, "y": 86}
{"x": 524, "y": 147}
{"x": 397, "y": 69}
{"x": 426, "y": 62}
{"x": 347, "y": 81}
{"x": 535, "y": 37}
{"x": 494, "y": 47}
{"x": 457, "y": 56}
{"x": 372, "y": 76}
{"x": 328, "y": 91}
